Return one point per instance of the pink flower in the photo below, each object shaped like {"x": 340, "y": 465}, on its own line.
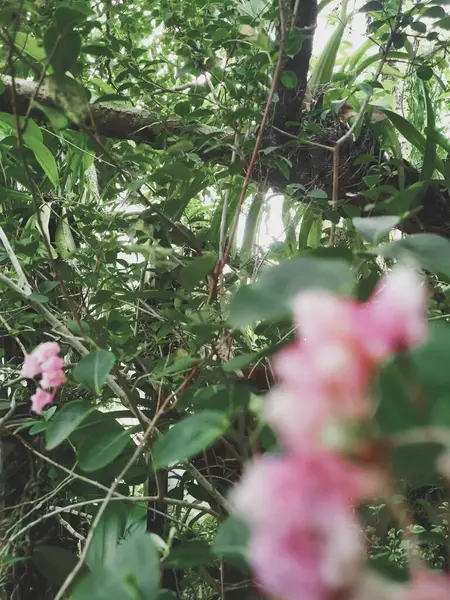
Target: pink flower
{"x": 304, "y": 533}
{"x": 31, "y": 366}
{"x": 40, "y": 399}
{"x": 395, "y": 316}
{"x": 46, "y": 350}
{"x": 297, "y": 487}
{"x": 52, "y": 373}
{"x": 427, "y": 585}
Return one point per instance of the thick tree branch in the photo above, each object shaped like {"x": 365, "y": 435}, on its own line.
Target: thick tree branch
{"x": 128, "y": 123}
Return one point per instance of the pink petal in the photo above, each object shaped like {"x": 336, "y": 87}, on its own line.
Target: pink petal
{"x": 31, "y": 366}
{"x": 427, "y": 585}
{"x": 52, "y": 379}
{"x": 46, "y": 350}
{"x": 40, "y": 399}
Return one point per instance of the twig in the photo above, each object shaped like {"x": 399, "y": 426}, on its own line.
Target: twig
{"x": 208, "y": 487}
{"x": 139, "y": 450}
{"x": 11, "y": 409}
{"x": 223, "y": 260}
{"x": 22, "y": 280}
{"x": 70, "y": 529}
{"x": 127, "y": 400}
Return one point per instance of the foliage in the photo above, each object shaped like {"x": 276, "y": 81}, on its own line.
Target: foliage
{"x": 126, "y": 131}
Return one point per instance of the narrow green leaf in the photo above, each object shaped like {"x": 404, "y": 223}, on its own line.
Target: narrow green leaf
{"x": 189, "y": 437}
{"x": 65, "y": 422}
{"x": 44, "y": 157}
{"x": 93, "y": 369}
{"x": 372, "y": 6}
{"x": 429, "y": 159}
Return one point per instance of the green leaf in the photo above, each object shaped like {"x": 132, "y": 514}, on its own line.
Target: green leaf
{"x": 44, "y": 157}
{"x": 68, "y": 16}
{"x": 443, "y": 23}
{"x": 30, "y": 46}
{"x": 289, "y": 79}
{"x": 62, "y": 49}
{"x": 425, "y": 73}
{"x": 97, "y": 452}
{"x": 232, "y": 539}
{"x": 239, "y": 362}
{"x": 431, "y": 360}
{"x": 408, "y": 131}
{"x": 416, "y": 464}
{"x": 197, "y": 269}
{"x": 294, "y": 42}
{"x": 189, "y": 437}
{"x": 395, "y": 411}
{"x": 36, "y": 297}
{"x": 65, "y": 422}
{"x": 181, "y": 146}
{"x": 93, "y": 369}
{"x": 429, "y": 250}
{"x": 220, "y": 34}
{"x": 132, "y": 575}
{"x": 271, "y": 297}
{"x": 419, "y": 26}
{"x": 429, "y": 159}
{"x": 54, "y": 562}
{"x": 372, "y": 6}
{"x": 434, "y": 12}
{"x": 109, "y": 531}
{"x": 189, "y": 554}
{"x": 373, "y": 229}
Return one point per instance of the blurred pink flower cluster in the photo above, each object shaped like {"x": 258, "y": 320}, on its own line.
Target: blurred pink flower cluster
{"x": 44, "y": 361}
{"x": 305, "y": 539}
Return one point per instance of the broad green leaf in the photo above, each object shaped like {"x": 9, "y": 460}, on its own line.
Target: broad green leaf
{"x": 372, "y": 6}
{"x": 430, "y": 361}
{"x": 294, "y": 42}
{"x": 396, "y": 410}
{"x": 272, "y": 295}
{"x": 416, "y": 464}
{"x": 197, "y": 269}
{"x": 133, "y": 573}
{"x": 93, "y": 369}
{"x": 65, "y": 422}
{"x": 99, "y": 451}
{"x": 30, "y": 46}
{"x": 232, "y": 539}
{"x": 69, "y": 95}
{"x": 188, "y": 437}
{"x": 289, "y": 79}
{"x": 62, "y": 49}
{"x": 44, "y": 157}
{"x": 429, "y": 250}
{"x": 54, "y": 562}
{"x": 109, "y": 531}
{"x": 68, "y": 16}
{"x": 189, "y": 554}
{"x": 36, "y": 297}
{"x": 373, "y": 229}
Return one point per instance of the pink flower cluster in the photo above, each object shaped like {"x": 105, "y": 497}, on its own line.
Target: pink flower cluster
{"x": 44, "y": 361}
{"x": 305, "y": 539}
